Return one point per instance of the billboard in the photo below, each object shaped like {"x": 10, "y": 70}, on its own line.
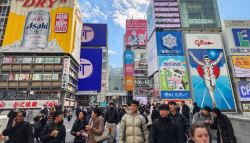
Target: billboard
{"x": 129, "y": 70}
{"x": 244, "y": 90}
{"x": 94, "y": 35}
{"x": 163, "y": 14}
{"x": 241, "y": 66}
{"x": 209, "y": 74}
{"x": 173, "y": 77}
{"x": 43, "y": 26}
{"x": 169, "y": 43}
{"x": 136, "y": 32}
{"x": 90, "y": 72}
{"x": 152, "y": 55}
{"x": 129, "y": 57}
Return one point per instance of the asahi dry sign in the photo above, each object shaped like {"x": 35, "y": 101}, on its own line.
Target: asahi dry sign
{"x": 48, "y": 26}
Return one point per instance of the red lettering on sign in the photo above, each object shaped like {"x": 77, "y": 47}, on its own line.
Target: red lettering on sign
{"x": 40, "y": 3}
{"x": 34, "y": 104}
{"x": 29, "y": 3}
{"x": 28, "y": 104}
{"x": 203, "y": 43}
{"x": 15, "y": 105}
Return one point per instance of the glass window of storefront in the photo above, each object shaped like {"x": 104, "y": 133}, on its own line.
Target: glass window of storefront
{"x": 199, "y": 14}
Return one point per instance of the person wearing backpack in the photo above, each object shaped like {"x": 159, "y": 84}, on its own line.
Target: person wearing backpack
{"x": 133, "y": 127}
{"x": 182, "y": 122}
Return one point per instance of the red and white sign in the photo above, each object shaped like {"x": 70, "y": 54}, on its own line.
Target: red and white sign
{"x": 21, "y": 104}
{"x": 42, "y": 3}
{"x": 136, "y": 32}
{"x": 203, "y": 41}
{"x": 61, "y": 25}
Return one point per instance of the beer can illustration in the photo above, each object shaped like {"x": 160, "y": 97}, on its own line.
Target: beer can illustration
{"x": 36, "y": 30}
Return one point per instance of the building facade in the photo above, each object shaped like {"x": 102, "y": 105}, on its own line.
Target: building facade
{"x": 4, "y": 13}
{"x": 40, "y": 68}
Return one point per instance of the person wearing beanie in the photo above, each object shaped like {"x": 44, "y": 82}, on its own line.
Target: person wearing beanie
{"x": 133, "y": 127}
{"x": 225, "y": 132}
{"x": 111, "y": 119}
{"x": 182, "y": 122}
{"x": 163, "y": 129}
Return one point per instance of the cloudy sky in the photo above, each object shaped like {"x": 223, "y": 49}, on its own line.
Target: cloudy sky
{"x": 115, "y": 13}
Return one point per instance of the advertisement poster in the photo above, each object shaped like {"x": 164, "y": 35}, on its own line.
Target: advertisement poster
{"x": 209, "y": 74}
{"x": 42, "y": 26}
{"x": 94, "y": 35}
{"x": 241, "y": 66}
{"x": 136, "y": 32}
{"x": 244, "y": 89}
{"x": 90, "y": 73}
{"x": 169, "y": 43}
{"x": 241, "y": 38}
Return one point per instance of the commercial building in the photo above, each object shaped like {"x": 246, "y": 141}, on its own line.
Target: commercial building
{"x": 236, "y": 34}
{"x": 37, "y": 65}
{"x": 93, "y": 75}
{"x": 135, "y": 59}
{"x": 4, "y": 13}
{"x": 183, "y": 35}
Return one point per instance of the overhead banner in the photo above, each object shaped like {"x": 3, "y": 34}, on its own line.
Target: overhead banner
{"x": 163, "y": 14}
{"x": 136, "y": 32}
{"x": 244, "y": 89}
{"x": 90, "y": 73}
{"x": 169, "y": 43}
{"x": 43, "y": 26}
{"x": 26, "y": 104}
{"x": 174, "y": 78}
{"x": 209, "y": 74}
{"x": 241, "y": 66}
{"x": 94, "y": 35}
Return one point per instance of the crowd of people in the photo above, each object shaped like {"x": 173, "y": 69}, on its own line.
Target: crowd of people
{"x": 156, "y": 123}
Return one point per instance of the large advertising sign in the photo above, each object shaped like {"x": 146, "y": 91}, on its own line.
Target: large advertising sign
{"x": 244, "y": 89}
{"x": 129, "y": 70}
{"x": 169, "y": 43}
{"x": 43, "y": 26}
{"x": 174, "y": 78}
{"x": 136, "y": 32}
{"x": 163, "y": 14}
{"x": 241, "y": 66}
{"x": 90, "y": 73}
{"x": 152, "y": 55}
{"x": 94, "y": 35}
{"x": 209, "y": 73}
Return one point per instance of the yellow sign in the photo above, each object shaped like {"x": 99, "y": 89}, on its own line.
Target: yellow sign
{"x": 241, "y": 61}
{"x": 47, "y": 26}
{"x": 129, "y": 83}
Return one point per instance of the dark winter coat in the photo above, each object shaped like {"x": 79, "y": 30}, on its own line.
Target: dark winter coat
{"x": 224, "y": 129}
{"x": 21, "y": 133}
{"x": 79, "y": 126}
{"x": 164, "y": 130}
{"x": 155, "y": 115}
{"x": 186, "y": 111}
{"x": 196, "y": 109}
{"x": 183, "y": 125}
{"x": 47, "y": 130}
{"x": 112, "y": 116}
{"x": 122, "y": 112}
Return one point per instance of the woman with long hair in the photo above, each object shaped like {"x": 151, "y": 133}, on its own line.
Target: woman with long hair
{"x": 78, "y": 129}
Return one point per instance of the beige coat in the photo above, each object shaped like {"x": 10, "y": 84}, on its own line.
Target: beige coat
{"x": 98, "y": 128}
{"x": 133, "y": 129}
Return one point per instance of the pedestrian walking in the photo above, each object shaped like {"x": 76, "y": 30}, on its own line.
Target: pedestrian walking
{"x": 79, "y": 128}
{"x": 222, "y": 124}
{"x": 70, "y": 114}
{"x": 20, "y": 131}
{"x": 123, "y": 111}
{"x": 54, "y": 132}
{"x": 164, "y": 129}
{"x": 155, "y": 113}
{"x": 185, "y": 111}
{"x": 39, "y": 122}
{"x": 181, "y": 121}
{"x": 200, "y": 134}
{"x": 196, "y": 108}
{"x": 204, "y": 117}
{"x": 133, "y": 127}
{"x": 112, "y": 119}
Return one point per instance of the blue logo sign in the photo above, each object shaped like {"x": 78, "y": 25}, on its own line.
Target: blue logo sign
{"x": 244, "y": 88}
{"x": 94, "y": 35}
{"x": 90, "y": 71}
{"x": 175, "y": 95}
{"x": 169, "y": 43}
{"x": 241, "y": 37}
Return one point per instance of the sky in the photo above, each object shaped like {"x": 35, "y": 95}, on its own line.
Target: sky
{"x": 115, "y": 13}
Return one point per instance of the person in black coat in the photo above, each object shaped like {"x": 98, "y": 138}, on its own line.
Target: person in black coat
{"x": 163, "y": 129}
{"x": 78, "y": 129}
{"x": 185, "y": 110}
{"x": 19, "y": 131}
{"x": 155, "y": 114}
{"x": 182, "y": 122}
{"x": 54, "y": 132}
{"x": 196, "y": 108}
{"x": 222, "y": 124}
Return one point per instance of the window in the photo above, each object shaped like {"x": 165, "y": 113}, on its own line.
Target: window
{"x": 27, "y": 60}
{"x": 10, "y": 95}
{"x": 4, "y": 77}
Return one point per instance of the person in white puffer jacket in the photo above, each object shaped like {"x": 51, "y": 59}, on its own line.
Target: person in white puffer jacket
{"x": 133, "y": 127}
